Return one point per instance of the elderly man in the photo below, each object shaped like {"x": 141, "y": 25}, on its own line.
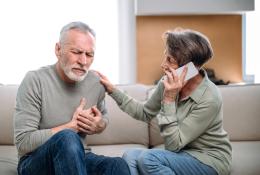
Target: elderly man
{"x": 57, "y": 106}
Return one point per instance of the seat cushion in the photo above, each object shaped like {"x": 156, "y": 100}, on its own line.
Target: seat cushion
{"x": 246, "y": 158}
{"x": 8, "y": 160}
{"x": 7, "y": 101}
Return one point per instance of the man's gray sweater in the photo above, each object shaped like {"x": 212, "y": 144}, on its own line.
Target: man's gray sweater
{"x": 45, "y": 101}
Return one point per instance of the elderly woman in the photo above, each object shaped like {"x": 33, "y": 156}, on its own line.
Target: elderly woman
{"x": 189, "y": 114}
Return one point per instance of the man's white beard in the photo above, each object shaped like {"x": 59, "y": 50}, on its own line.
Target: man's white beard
{"x": 70, "y": 74}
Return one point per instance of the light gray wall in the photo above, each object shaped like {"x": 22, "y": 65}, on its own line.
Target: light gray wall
{"x": 168, "y": 7}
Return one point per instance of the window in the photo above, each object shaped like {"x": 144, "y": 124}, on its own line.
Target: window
{"x": 252, "y": 36}
{"x": 30, "y": 29}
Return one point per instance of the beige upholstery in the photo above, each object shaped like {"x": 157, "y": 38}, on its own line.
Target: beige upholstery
{"x": 7, "y": 103}
{"x": 246, "y": 158}
{"x": 118, "y": 131}
{"x": 242, "y": 111}
{"x": 8, "y": 159}
{"x": 241, "y": 120}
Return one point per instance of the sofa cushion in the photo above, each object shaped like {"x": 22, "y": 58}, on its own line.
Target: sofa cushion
{"x": 7, "y": 168}
{"x": 246, "y": 158}
{"x": 7, "y": 101}
{"x": 154, "y": 131}
{"x": 122, "y": 128}
{"x": 241, "y": 108}
{"x": 8, "y": 160}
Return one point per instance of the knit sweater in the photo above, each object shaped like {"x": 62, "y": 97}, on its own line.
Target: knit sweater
{"x": 45, "y": 101}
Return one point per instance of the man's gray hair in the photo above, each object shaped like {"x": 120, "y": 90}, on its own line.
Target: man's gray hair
{"x": 75, "y": 26}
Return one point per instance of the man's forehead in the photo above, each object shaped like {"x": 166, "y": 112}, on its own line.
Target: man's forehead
{"x": 78, "y": 48}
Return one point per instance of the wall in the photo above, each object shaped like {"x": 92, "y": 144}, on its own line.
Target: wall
{"x": 170, "y": 7}
{"x": 224, "y": 32}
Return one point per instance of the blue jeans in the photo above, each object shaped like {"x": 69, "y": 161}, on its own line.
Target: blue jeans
{"x": 163, "y": 162}
{"x": 63, "y": 154}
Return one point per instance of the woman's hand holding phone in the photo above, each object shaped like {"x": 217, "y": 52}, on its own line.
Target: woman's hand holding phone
{"x": 175, "y": 79}
{"x": 192, "y": 71}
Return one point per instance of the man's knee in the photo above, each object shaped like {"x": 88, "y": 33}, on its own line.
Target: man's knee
{"x": 68, "y": 141}
{"x": 120, "y": 166}
{"x": 112, "y": 165}
{"x": 119, "y": 162}
{"x": 66, "y": 135}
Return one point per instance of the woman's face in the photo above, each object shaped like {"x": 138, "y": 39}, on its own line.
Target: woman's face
{"x": 169, "y": 62}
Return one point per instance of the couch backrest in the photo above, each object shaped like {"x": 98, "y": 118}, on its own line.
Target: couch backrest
{"x": 7, "y": 104}
{"x": 122, "y": 128}
{"x": 241, "y": 114}
{"x": 241, "y": 108}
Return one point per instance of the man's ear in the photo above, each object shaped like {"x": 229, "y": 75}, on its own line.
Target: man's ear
{"x": 58, "y": 50}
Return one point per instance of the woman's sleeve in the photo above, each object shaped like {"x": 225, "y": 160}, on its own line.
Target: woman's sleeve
{"x": 143, "y": 111}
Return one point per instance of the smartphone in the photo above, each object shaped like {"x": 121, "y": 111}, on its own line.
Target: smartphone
{"x": 192, "y": 71}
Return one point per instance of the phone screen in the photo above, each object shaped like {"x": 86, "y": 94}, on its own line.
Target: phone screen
{"x": 192, "y": 71}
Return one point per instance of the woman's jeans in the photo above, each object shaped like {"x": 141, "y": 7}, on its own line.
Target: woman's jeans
{"x": 163, "y": 162}
{"x": 63, "y": 154}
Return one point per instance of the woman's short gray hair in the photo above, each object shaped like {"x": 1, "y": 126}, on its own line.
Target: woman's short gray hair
{"x": 75, "y": 26}
{"x": 187, "y": 45}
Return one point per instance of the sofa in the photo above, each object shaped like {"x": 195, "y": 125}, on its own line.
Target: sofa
{"x": 241, "y": 120}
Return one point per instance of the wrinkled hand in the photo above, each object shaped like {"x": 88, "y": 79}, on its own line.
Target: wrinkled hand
{"x": 73, "y": 124}
{"x": 173, "y": 84}
{"x": 105, "y": 81}
{"x": 90, "y": 121}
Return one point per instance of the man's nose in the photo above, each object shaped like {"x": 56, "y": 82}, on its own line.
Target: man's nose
{"x": 83, "y": 59}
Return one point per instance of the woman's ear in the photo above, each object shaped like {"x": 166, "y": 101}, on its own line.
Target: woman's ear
{"x": 58, "y": 50}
